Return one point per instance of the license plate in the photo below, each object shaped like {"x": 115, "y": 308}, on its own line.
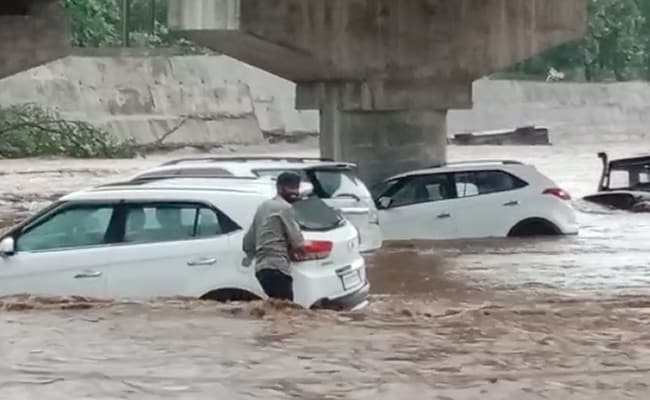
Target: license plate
{"x": 350, "y": 280}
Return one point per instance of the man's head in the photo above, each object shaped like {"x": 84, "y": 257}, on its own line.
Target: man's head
{"x": 288, "y": 185}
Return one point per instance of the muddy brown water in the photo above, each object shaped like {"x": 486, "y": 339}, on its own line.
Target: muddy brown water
{"x": 483, "y": 319}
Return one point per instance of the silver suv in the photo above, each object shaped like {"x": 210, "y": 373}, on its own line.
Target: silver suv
{"x": 334, "y": 182}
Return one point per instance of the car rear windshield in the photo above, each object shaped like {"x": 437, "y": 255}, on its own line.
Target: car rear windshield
{"x": 634, "y": 177}
{"x": 313, "y": 214}
{"x": 327, "y": 182}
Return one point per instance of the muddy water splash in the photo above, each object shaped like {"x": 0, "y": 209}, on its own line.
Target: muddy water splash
{"x": 489, "y": 319}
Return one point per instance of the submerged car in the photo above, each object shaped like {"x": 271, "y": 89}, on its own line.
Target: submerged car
{"x": 163, "y": 237}
{"x": 334, "y": 182}
{"x": 475, "y": 199}
{"x": 624, "y": 184}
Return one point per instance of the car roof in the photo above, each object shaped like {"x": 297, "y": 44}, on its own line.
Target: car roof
{"x": 630, "y": 161}
{"x": 143, "y": 187}
{"x": 460, "y": 166}
{"x": 142, "y": 193}
{"x": 237, "y": 166}
{"x": 235, "y": 200}
{"x": 256, "y": 162}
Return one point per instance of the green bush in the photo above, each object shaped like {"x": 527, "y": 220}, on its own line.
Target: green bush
{"x": 28, "y": 130}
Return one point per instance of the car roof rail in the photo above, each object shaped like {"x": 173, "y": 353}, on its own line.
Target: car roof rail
{"x": 244, "y": 159}
{"x": 469, "y": 162}
{"x": 153, "y": 178}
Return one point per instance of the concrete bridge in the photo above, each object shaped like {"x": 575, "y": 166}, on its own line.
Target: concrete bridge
{"x": 383, "y": 73}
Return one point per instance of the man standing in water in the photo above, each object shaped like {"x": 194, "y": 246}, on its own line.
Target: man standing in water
{"x": 273, "y": 236}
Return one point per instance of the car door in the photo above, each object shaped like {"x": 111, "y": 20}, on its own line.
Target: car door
{"x": 176, "y": 249}
{"x": 64, "y": 252}
{"x": 418, "y": 207}
{"x": 490, "y": 203}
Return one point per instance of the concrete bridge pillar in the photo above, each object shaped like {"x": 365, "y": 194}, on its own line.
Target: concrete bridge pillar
{"x": 386, "y": 127}
{"x": 383, "y": 73}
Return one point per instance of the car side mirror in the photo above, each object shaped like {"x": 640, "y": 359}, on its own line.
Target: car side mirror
{"x": 384, "y": 203}
{"x": 7, "y": 246}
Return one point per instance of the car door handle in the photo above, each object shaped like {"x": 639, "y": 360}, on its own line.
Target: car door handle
{"x": 202, "y": 261}
{"x": 511, "y": 203}
{"x": 444, "y": 215}
{"x": 89, "y": 274}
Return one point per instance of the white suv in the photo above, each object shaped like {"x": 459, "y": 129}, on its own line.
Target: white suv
{"x": 334, "y": 182}
{"x": 174, "y": 237}
{"x": 473, "y": 199}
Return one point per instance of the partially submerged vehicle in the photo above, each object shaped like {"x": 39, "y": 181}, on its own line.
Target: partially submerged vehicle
{"x": 624, "y": 184}
{"x": 176, "y": 236}
{"x": 471, "y": 200}
{"x": 336, "y": 183}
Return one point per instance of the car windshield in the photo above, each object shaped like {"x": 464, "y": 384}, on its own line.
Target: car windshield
{"x": 313, "y": 214}
{"x": 381, "y": 188}
{"x": 328, "y": 182}
{"x": 637, "y": 177}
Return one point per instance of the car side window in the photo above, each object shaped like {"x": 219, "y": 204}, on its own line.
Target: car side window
{"x": 163, "y": 222}
{"x": 619, "y": 179}
{"x": 72, "y": 227}
{"x": 644, "y": 177}
{"x": 423, "y": 189}
{"x": 475, "y": 183}
{"x": 383, "y": 188}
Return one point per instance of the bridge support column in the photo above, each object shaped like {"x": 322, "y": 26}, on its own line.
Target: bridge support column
{"x": 384, "y": 143}
{"x": 385, "y": 127}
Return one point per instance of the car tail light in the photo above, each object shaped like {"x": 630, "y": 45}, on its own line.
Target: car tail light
{"x": 313, "y": 250}
{"x": 559, "y": 193}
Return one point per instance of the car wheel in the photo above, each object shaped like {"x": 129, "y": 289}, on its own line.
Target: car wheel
{"x": 534, "y": 227}
{"x": 228, "y": 295}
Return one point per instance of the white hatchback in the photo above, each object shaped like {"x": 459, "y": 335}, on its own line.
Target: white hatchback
{"x": 475, "y": 199}
{"x": 174, "y": 237}
{"x": 334, "y": 182}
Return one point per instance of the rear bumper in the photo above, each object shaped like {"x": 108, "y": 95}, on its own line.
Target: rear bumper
{"x": 354, "y": 301}
{"x": 371, "y": 239}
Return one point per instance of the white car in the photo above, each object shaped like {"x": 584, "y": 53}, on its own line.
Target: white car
{"x": 174, "y": 237}
{"x": 334, "y": 182}
{"x": 476, "y": 199}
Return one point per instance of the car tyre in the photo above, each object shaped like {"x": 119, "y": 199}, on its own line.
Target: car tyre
{"x": 534, "y": 227}
{"x": 230, "y": 295}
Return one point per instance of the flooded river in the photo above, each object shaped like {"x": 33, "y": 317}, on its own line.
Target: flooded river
{"x": 488, "y": 319}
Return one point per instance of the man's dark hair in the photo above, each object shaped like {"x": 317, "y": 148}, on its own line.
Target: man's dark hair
{"x": 288, "y": 178}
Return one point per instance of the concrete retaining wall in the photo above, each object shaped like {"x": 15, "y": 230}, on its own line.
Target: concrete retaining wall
{"x": 173, "y": 101}
{"x": 166, "y": 101}
{"x": 573, "y": 112}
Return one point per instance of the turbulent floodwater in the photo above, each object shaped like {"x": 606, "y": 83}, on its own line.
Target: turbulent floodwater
{"x": 489, "y": 319}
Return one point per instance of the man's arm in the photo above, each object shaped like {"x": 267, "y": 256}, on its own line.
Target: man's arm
{"x": 292, "y": 229}
{"x": 249, "y": 244}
